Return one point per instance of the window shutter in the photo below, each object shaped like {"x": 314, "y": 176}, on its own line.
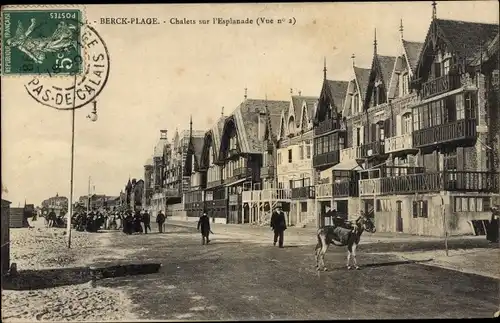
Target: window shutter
{"x": 374, "y": 135}
{"x": 415, "y": 209}
{"x": 387, "y": 128}
{"x": 366, "y": 134}
{"x": 424, "y": 209}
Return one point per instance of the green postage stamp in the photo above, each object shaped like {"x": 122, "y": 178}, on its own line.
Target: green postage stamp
{"x": 41, "y": 42}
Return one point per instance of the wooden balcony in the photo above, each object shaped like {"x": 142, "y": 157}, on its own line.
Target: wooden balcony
{"x": 330, "y": 158}
{"x": 458, "y": 181}
{"x": 459, "y": 130}
{"x": 267, "y": 172}
{"x": 399, "y": 143}
{"x": 324, "y": 190}
{"x": 303, "y": 193}
{"x": 214, "y": 183}
{"x": 171, "y": 192}
{"x": 345, "y": 188}
{"x": 327, "y": 126}
{"x": 351, "y": 153}
{"x": 372, "y": 149}
{"x": 369, "y": 187}
{"x": 266, "y": 195}
{"x": 440, "y": 85}
{"x": 242, "y": 172}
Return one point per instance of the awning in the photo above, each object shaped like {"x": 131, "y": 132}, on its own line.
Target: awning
{"x": 236, "y": 182}
{"x": 350, "y": 164}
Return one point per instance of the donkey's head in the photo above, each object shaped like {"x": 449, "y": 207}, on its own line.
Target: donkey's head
{"x": 366, "y": 223}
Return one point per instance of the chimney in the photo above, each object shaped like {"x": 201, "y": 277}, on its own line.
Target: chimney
{"x": 163, "y": 134}
{"x": 261, "y": 127}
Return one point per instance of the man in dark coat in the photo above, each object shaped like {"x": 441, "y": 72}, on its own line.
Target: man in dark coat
{"x": 493, "y": 227}
{"x": 160, "y": 219}
{"x": 137, "y": 222}
{"x": 52, "y": 218}
{"x": 278, "y": 225}
{"x": 204, "y": 225}
{"x": 146, "y": 219}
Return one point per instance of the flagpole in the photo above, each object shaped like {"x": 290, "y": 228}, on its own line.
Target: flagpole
{"x": 72, "y": 173}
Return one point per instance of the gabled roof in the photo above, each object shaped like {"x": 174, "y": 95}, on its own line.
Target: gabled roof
{"x": 246, "y": 119}
{"x": 337, "y": 91}
{"x": 412, "y": 52}
{"x": 489, "y": 51}
{"x": 362, "y": 76}
{"x": 463, "y": 38}
{"x": 386, "y": 66}
{"x": 298, "y": 102}
{"x": 466, "y": 37}
{"x": 273, "y": 122}
{"x": 197, "y": 147}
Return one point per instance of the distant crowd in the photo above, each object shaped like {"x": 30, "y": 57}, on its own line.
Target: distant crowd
{"x": 94, "y": 220}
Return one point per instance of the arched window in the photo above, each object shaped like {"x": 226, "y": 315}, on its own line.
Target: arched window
{"x": 406, "y": 123}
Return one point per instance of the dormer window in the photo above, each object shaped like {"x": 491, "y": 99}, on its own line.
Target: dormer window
{"x": 192, "y": 163}
{"x": 355, "y": 102}
{"x": 378, "y": 94}
{"x": 404, "y": 81}
{"x": 291, "y": 126}
{"x": 446, "y": 66}
{"x": 210, "y": 157}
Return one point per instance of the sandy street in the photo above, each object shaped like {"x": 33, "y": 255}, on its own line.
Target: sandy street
{"x": 42, "y": 251}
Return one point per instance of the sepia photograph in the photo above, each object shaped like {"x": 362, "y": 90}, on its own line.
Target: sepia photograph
{"x": 250, "y": 161}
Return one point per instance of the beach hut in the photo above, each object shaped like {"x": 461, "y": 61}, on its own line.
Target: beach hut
{"x": 16, "y": 217}
{"x": 5, "y": 236}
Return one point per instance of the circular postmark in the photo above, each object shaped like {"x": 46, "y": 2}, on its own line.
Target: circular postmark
{"x": 79, "y": 69}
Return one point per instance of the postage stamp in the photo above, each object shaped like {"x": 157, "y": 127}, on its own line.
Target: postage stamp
{"x": 41, "y": 42}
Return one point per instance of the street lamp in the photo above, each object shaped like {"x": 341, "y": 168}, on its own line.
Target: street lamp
{"x": 93, "y": 117}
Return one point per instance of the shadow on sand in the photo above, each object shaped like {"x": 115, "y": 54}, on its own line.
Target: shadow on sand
{"x": 49, "y": 278}
{"x": 384, "y": 264}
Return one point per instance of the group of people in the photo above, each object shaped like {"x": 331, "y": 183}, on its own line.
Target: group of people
{"x": 127, "y": 221}
{"x": 133, "y": 223}
{"x": 53, "y": 220}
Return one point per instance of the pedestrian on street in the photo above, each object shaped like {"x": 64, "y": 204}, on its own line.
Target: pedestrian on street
{"x": 204, "y": 225}
{"x": 492, "y": 231}
{"x": 278, "y": 225}
{"x": 160, "y": 219}
{"x": 146, "y": 219}
{"x": 52, "y": 218}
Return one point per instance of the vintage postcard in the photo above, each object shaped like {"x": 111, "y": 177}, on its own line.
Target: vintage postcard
{"x": 250, "y": 161}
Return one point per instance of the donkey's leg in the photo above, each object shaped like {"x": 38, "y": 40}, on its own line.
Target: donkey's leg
{"x": 316, "y": 253}
{"x": 354, "y": 246}
{"x": 324, "y": 249}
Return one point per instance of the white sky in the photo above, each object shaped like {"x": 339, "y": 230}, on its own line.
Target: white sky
{"x": 162, "y": 74}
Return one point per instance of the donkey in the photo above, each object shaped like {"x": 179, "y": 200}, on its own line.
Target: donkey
{"x": 341, "y": 236}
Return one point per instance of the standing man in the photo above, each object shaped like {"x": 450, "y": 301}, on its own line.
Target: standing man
{"x": 146, "y": 219}
{"x": 204, "y": 224}
{"x": 160, "y": 219}
{"x": 278, "y": 225}
{"x": 52, "y": 218}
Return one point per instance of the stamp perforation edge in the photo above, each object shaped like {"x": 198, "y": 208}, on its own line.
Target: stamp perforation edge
{"x": 83, "y": 18}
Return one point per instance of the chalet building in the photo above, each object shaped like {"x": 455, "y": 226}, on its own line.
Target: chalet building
{"x": 234, "y": 153}
{"x": 294, "y": 158}
{"x": 56, "y": 203}
{"x": 194, "y": 197}
{"x": 444, "y": 180}
{"x": 329, "y": 136}
{"x": 134, "y": 192}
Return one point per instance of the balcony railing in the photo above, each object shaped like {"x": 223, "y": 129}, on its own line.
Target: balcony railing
{"x": 306, "y": 192}
{"x": 445, "y": 133}
{"x": 324, "y": 190}
{"x": 369, "y": 187}
{"x": 276, "y": 194}
{"x": 267, "y": 171}
{"x": 214, "y": 183}
{"x": 440, "y": 85}
{"x": 325, "y": 159}
{"x": 328, "y": 125}
{"x": 345, "y": 188}
{"x": 459, "y": 181}
{"x": 399, "y": 143}
{"x": 171, "y": 192}
{"x": 242, "y": 172}
{"x": 350, "y": 153}
{"x": 372, "y": 149}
